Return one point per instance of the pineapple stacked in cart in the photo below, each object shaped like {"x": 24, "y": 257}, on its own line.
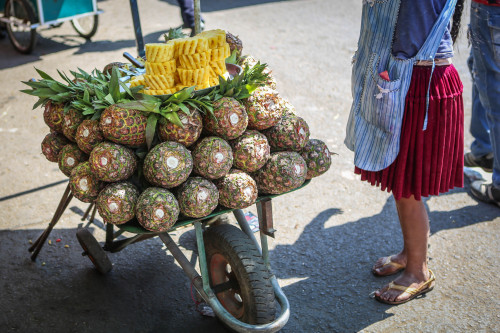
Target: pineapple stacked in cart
{"x": 156, "y": 160}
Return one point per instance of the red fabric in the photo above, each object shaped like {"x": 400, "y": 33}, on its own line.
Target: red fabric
{"x": 431, "y": 161}
{"x": 495, "y": 3}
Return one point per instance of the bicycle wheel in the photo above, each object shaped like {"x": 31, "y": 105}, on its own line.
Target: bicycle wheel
{"x": 21, "y": 16}
{"x": 86, "y": 26}
{"x": 238, "y": 275}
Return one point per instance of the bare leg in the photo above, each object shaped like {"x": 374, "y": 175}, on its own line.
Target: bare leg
{"x": 415, "y": 227}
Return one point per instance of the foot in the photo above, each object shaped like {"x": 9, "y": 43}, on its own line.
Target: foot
{"x": 485, "y": 192}
{"x": 406, "y": 287}
{"x": 386, "y": 266}
{"x": 485, "y": 162}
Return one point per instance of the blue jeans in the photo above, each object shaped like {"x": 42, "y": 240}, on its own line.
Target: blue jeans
{"x": 484, "y": 65}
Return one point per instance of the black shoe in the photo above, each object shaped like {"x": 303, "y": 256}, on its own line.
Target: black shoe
{"x": 484, "y": 162}
{"x": 485, "y": 192}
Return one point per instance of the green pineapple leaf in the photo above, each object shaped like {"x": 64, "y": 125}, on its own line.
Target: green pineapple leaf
{"x": 174, "y": 119}
{"x": 151, "y": 129}
{"x": 232, "y": 59}
{"x": 44, "y": 75}
{"x": 114, "y": 86}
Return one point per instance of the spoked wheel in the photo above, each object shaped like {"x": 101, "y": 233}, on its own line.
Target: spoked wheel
{"x": 21, "y": 16}
{"x": 238, "y": 275}
{"x": 86, "y": 26}
{"x": 94, "y": 251}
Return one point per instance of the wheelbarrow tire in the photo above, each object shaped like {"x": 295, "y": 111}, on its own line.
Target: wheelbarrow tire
{"x": 233, "y": 259}
{"x": 22, "y": 10}
{"x": 94, "y": 251}
{"x": 86, "y": 26}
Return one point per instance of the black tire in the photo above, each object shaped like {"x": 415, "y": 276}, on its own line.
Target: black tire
{"x": 234, "y": 260}
{"x": 94, "y": 251}
{"x": 21, "y": 12}
{"x": 86, "y": 26}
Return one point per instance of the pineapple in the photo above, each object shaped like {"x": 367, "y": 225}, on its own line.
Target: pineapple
{"x": 234, "y": 43}
{"x": 197, "y": 197}
{"x": 168, "y": 164}
{"x": 286, "y": 107}
{"x": 317, "y": 157}
{"x": 124, "y": 126}
{"x": 237, "y": 190}
{"x": 186, "y": 135}
{"x": 71, "y": 120}
{"x": 212, "y": 157}
{"x": 283, "y": 172}
{"x": 263, "y": 108}
{"x": 52, "y": 145}
{"x": 109, "y": 67}
{"x": 157, "y": 209}
{"x": 116, "y": 202}
{"x": 70, "y": 157}
{"x": 84, "y": 186}
{"x": 111, "y": 162}
{"x": 249, "y": 61}
{"x": 290, "y": 133}
{"x": 229, "y": 119}
{"x": 88, "y": 135}
{"x": 250, "y": 151}
{"x": 53, "y": 115}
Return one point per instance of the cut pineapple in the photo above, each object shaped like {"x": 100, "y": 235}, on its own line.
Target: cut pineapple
{"x": 216, "y": 38}
{"x": 161, "y": 68}
{"x": 191, "y": 77}
{"x": 137, "y": 81}
{"x": 220, "y": 53}
{"x": 159, "y": 92}
{"x": 159, "y": 52}
{"x": 218, "y": 67}
{"x": 190, "y": 45}
{"x": 160, "y": 82}
{"x": 194, "y": 61}
{"x": 213, "y": 81}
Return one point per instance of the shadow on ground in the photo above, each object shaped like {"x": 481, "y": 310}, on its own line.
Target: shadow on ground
{"x": 215, "y": 5}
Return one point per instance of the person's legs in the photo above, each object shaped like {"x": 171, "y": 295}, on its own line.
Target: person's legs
{"x": 415, "y": 228}
{"x": 187, "y": 12}
{"x": 485, "y": 34}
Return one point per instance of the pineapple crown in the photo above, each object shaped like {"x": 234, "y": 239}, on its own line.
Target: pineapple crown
{"x": 174, "y": 33}
{"x": 243, "y": 84}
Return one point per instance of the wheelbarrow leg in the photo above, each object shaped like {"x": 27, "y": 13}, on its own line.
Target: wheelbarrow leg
{"x": 38, "y": 244}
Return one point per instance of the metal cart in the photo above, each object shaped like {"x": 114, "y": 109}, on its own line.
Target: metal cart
{"x": 236, "y": 278}
{"x": 22, "y": 17}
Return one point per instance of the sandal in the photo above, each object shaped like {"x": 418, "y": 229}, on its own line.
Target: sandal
{"x": 414, "y": 292}
{"x": 388, "y": 262}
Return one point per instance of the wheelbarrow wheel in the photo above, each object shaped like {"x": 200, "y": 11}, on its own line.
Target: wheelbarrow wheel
{"x": 86, "y": 26}
{"x": 94, "y": 251}
{"x": 21, "y": 16}
{"x": 238, "y": 275}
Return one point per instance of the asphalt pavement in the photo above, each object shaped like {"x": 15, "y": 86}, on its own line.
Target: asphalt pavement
{"x": 329, "y": 233}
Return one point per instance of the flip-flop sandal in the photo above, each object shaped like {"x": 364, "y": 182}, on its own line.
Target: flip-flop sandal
{"x": 414, "y": 292}
{"x": 388, "y": 262}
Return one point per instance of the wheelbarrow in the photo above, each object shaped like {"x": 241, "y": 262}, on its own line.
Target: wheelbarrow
{"x": 236, "y": 280}
{"x": 23, "y": 17}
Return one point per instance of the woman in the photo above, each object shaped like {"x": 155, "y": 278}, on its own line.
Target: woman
{"x": 406, "y": 123}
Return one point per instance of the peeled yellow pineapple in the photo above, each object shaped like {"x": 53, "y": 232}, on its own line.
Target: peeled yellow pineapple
{"x": 216, "y": 38}
{"x": 191, "y": 77}
{"x": 137, "y": 81}
{"x": 160, "y": 52}
{"x": 160, "y": 82}
{"x": 193, "y": 61}
{"x": 161, "y": 68}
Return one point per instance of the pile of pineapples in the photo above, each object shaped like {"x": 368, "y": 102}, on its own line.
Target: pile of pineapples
{"x": 156, "y": 160}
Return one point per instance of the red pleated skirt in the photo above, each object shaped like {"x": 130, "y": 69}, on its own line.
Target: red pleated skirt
{"x": 431, "y": 161}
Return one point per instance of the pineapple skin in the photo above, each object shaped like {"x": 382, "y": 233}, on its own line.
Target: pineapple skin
{"x": 52, "y": 145}
{"x": 168, "y": 164}
{"x": 197, "y": 197}
{"x": 116, "y": 202}
{"x": 290, "y": 133}
{"x": 283, "y": 172}
{"x": 84, "y": 186}
{"x": 317, "y": 156}
{"x": 70, "y": 157}
{"x": 53, "y": 115}
{"x": 88, "y": 135}
{"x": 124, "y": 126}
{"x": 71, "y": 120}
{"x": 230, "y": 120}
{"x": 250, "y": 151}
{"x": 157, "y": 209}
{"x": 212, "y": 157}
{"x": 111, "y": 162}
{"x": 263, "y": 108}
{"x": 237, "y": 190}
{"x": 188, "y": 135}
